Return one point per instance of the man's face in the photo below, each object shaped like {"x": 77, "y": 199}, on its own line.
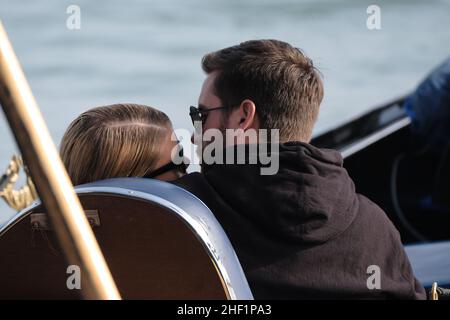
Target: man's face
{"x": 208, "y": 100}
{"x": 240, "y": 118}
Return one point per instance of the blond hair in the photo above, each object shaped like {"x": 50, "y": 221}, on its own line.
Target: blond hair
{"x": 120, "y": 140}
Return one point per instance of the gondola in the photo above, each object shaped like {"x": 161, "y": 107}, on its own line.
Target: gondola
{"x": 372, "y": 146}
{"x": 138, "y": 238}
{"x": 383, "y": 134}
{"x": 379, "y": 154}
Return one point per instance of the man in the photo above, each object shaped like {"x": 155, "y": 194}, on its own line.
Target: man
{"x": 302, "y": 232}
{"x": 429, "y": 109}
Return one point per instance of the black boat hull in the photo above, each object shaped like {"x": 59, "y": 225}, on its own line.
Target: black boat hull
{"x": 377, "y": 154}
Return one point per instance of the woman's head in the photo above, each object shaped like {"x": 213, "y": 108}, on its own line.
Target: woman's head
{"x": 121, "y": 140}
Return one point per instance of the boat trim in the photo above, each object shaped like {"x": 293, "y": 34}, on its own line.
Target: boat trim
{"x": 355, "y": 147}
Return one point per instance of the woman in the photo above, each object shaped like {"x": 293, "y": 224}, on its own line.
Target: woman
{"x": 121, "y": 140}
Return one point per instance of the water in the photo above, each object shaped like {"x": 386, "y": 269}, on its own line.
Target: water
{"x": 149, "y": 52}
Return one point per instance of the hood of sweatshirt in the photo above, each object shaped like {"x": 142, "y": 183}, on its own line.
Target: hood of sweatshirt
{"x": 310, "y": 198}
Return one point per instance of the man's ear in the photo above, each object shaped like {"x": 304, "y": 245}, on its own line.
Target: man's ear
{"x": 247, "y": 113}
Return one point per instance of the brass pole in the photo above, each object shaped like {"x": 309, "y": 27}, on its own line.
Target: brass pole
{"x": 52, "y": 182}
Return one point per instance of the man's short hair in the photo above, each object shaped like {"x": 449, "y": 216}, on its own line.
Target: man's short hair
{"x": 279, "y": 78}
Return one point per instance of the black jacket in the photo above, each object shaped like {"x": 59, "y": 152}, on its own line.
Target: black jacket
{"x": 304, "y": 233}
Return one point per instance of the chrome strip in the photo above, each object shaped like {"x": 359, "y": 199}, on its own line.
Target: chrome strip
{"x": 371, "y": 139}
{"x": 18, "y": 217}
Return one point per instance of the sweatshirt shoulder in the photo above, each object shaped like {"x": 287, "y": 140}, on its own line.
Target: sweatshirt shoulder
{"x": 373, "y": 214}
{"x": 196, "y": 184}
{"x": 189, "y": 179}
{"x": 387, "y": 250}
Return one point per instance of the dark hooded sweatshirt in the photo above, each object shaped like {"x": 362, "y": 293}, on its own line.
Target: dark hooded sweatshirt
{"x": 304, "y": 233}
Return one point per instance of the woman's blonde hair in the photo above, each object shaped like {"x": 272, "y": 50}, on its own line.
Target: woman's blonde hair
{"x": 120, "y": 140}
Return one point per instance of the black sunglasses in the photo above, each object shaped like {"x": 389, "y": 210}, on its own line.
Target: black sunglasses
{"x": 182, "y": 167}
{"x": 201, "y": 114}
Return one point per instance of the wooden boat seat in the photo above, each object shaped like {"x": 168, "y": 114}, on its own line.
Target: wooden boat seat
{"x": 160, "y": 242}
